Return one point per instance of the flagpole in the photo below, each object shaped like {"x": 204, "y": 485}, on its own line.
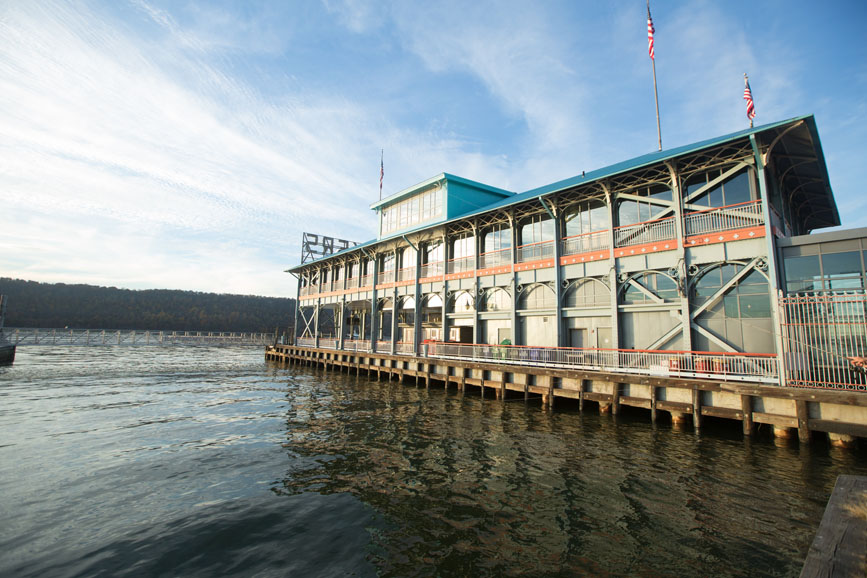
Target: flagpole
{"x": 381, "y": 170}
{"x": 656, "y": 100}
{"x": 650, "y": 32}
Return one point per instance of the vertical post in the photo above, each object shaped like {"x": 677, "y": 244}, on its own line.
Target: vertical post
{"x": 479, "y": 246}
{"x": 680, "y": 235}
{"x": 445, "y": 292}
{"x": 316, "y": 322}
{"x": 773, "y": 271}
{"x": 297, "y": 307}
{"x": 558, "y": 275}
{"x": 513, "y": 231}
{"x": 374, "y": 306}
{"x": 612, "y": 271}
{"x": 417, "y": 329}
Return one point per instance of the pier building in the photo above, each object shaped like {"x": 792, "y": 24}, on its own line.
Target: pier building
{"x": 696, "y": 266}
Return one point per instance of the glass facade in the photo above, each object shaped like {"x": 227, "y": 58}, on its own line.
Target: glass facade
{"x": 415, "y": 210}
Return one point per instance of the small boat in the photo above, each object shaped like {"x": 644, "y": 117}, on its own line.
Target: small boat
{"x": 7, "y": 350}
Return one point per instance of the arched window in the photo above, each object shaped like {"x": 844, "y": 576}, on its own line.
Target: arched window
{"x": 587, "y": 293}
{"x": 462, "y": 302}
{"x": 537, "y": 297}
{"x": 497, "y": 300}
{"x": 433, "y": 301}
{"x": 749, "y": 297}
{"x": 644, "y": 287}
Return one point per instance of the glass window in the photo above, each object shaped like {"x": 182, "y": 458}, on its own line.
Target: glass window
{"x": 499, "y": 237}
{"x": 538, "y": 229}
{"x": 433, "y": 253}
{"x": 538, "y": 297}
{"x": 737, "y": 189}
{"x": 498, "y": 300}
{"x": 803, "y": 274}
{"x": 586, "y": 217}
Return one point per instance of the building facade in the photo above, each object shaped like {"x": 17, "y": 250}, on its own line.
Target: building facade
{"x": 678, "y": 251}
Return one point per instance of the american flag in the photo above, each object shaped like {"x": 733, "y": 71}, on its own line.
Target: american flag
{"x": 650, "y": 32}
{"x": 748, "y": 96}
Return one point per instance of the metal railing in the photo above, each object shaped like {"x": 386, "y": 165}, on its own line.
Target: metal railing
{"x": 535, "y": 251}
{"x": 728, "y": 218}
{"x": 356, "y": 345}
{"x": 365, "y": 281}
{"x": 406, "y": 274}
{"x": 352, "y": 283}
{"x": 306, "y": 341}
{"x": 717, "y": 365}
{"x": 495, "y": 258}
{"x": 585, "y": 243}
{"x": 825, "y": 340}
{"x": 404, "y": 348}
{"x": 383, "y": 346}
{"x": 647, "y": 232}
{"x": 434, "y": 269}
{"x": 328, "y": 342}
{"x": 462, "y": 264}
{"x": 386, "y": 277}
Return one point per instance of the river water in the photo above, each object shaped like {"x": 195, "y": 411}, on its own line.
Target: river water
{"x": 198, "y": 461}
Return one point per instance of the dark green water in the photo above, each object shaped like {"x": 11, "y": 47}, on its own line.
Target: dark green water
{"x": 209, "y": 462}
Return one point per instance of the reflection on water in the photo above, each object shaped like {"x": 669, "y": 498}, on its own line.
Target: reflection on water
{"x": 207, "y": 461}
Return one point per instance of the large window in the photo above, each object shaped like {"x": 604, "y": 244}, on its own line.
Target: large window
{"x": 412, "y": 211}
{"x": 433, "y": 253}
{"x": 641, "y": 287}
{"x": 825, "y": 272}
{"x": 749, "y": 297}
{"x": 586, "y": 217}
{"x": 497, "y": 238}
{"x": 630, "y": 212}
{"x": 733, "y": 191}
{"x": 537, "y": 229}
{"x": 463, "y": 246}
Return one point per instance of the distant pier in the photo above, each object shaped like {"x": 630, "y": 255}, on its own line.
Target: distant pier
{"x": 94, "y": 337}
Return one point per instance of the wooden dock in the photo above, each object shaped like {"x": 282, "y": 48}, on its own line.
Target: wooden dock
{"x": 840, "y": 546}
{"x": 790, "y": 411}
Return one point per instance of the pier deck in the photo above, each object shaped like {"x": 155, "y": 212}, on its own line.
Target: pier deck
{"x": 841, "y": 414}
{"x": 840, "y": 546}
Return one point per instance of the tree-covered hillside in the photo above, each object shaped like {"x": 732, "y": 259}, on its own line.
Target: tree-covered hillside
{"x": 33, "y": 304}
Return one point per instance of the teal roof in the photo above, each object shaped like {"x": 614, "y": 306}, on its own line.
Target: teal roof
{"x": 821, "y": 199}
{"x": 642, "y": 161}
{"x": 439, "y": 178}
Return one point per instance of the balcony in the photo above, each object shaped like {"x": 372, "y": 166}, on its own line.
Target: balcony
{"x": 585, "y": 243}
{"x": 434, "y": 269}
{"x": 732, "y": 217}
{"x": 495, "y": 259}
{"x": 352, "y": 283}
{"x": 535, "y": 251}
{"x": 406, "y": 274}
{"x": 643, "y": 233}
{"x": 386, "y": 277}
{"x": 365, "y": 281}
{"x": 383, "y": 346}
{"x": 462, "y": 264}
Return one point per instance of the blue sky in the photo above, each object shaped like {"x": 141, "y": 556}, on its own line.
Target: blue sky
{"x": 181, "y": 144}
